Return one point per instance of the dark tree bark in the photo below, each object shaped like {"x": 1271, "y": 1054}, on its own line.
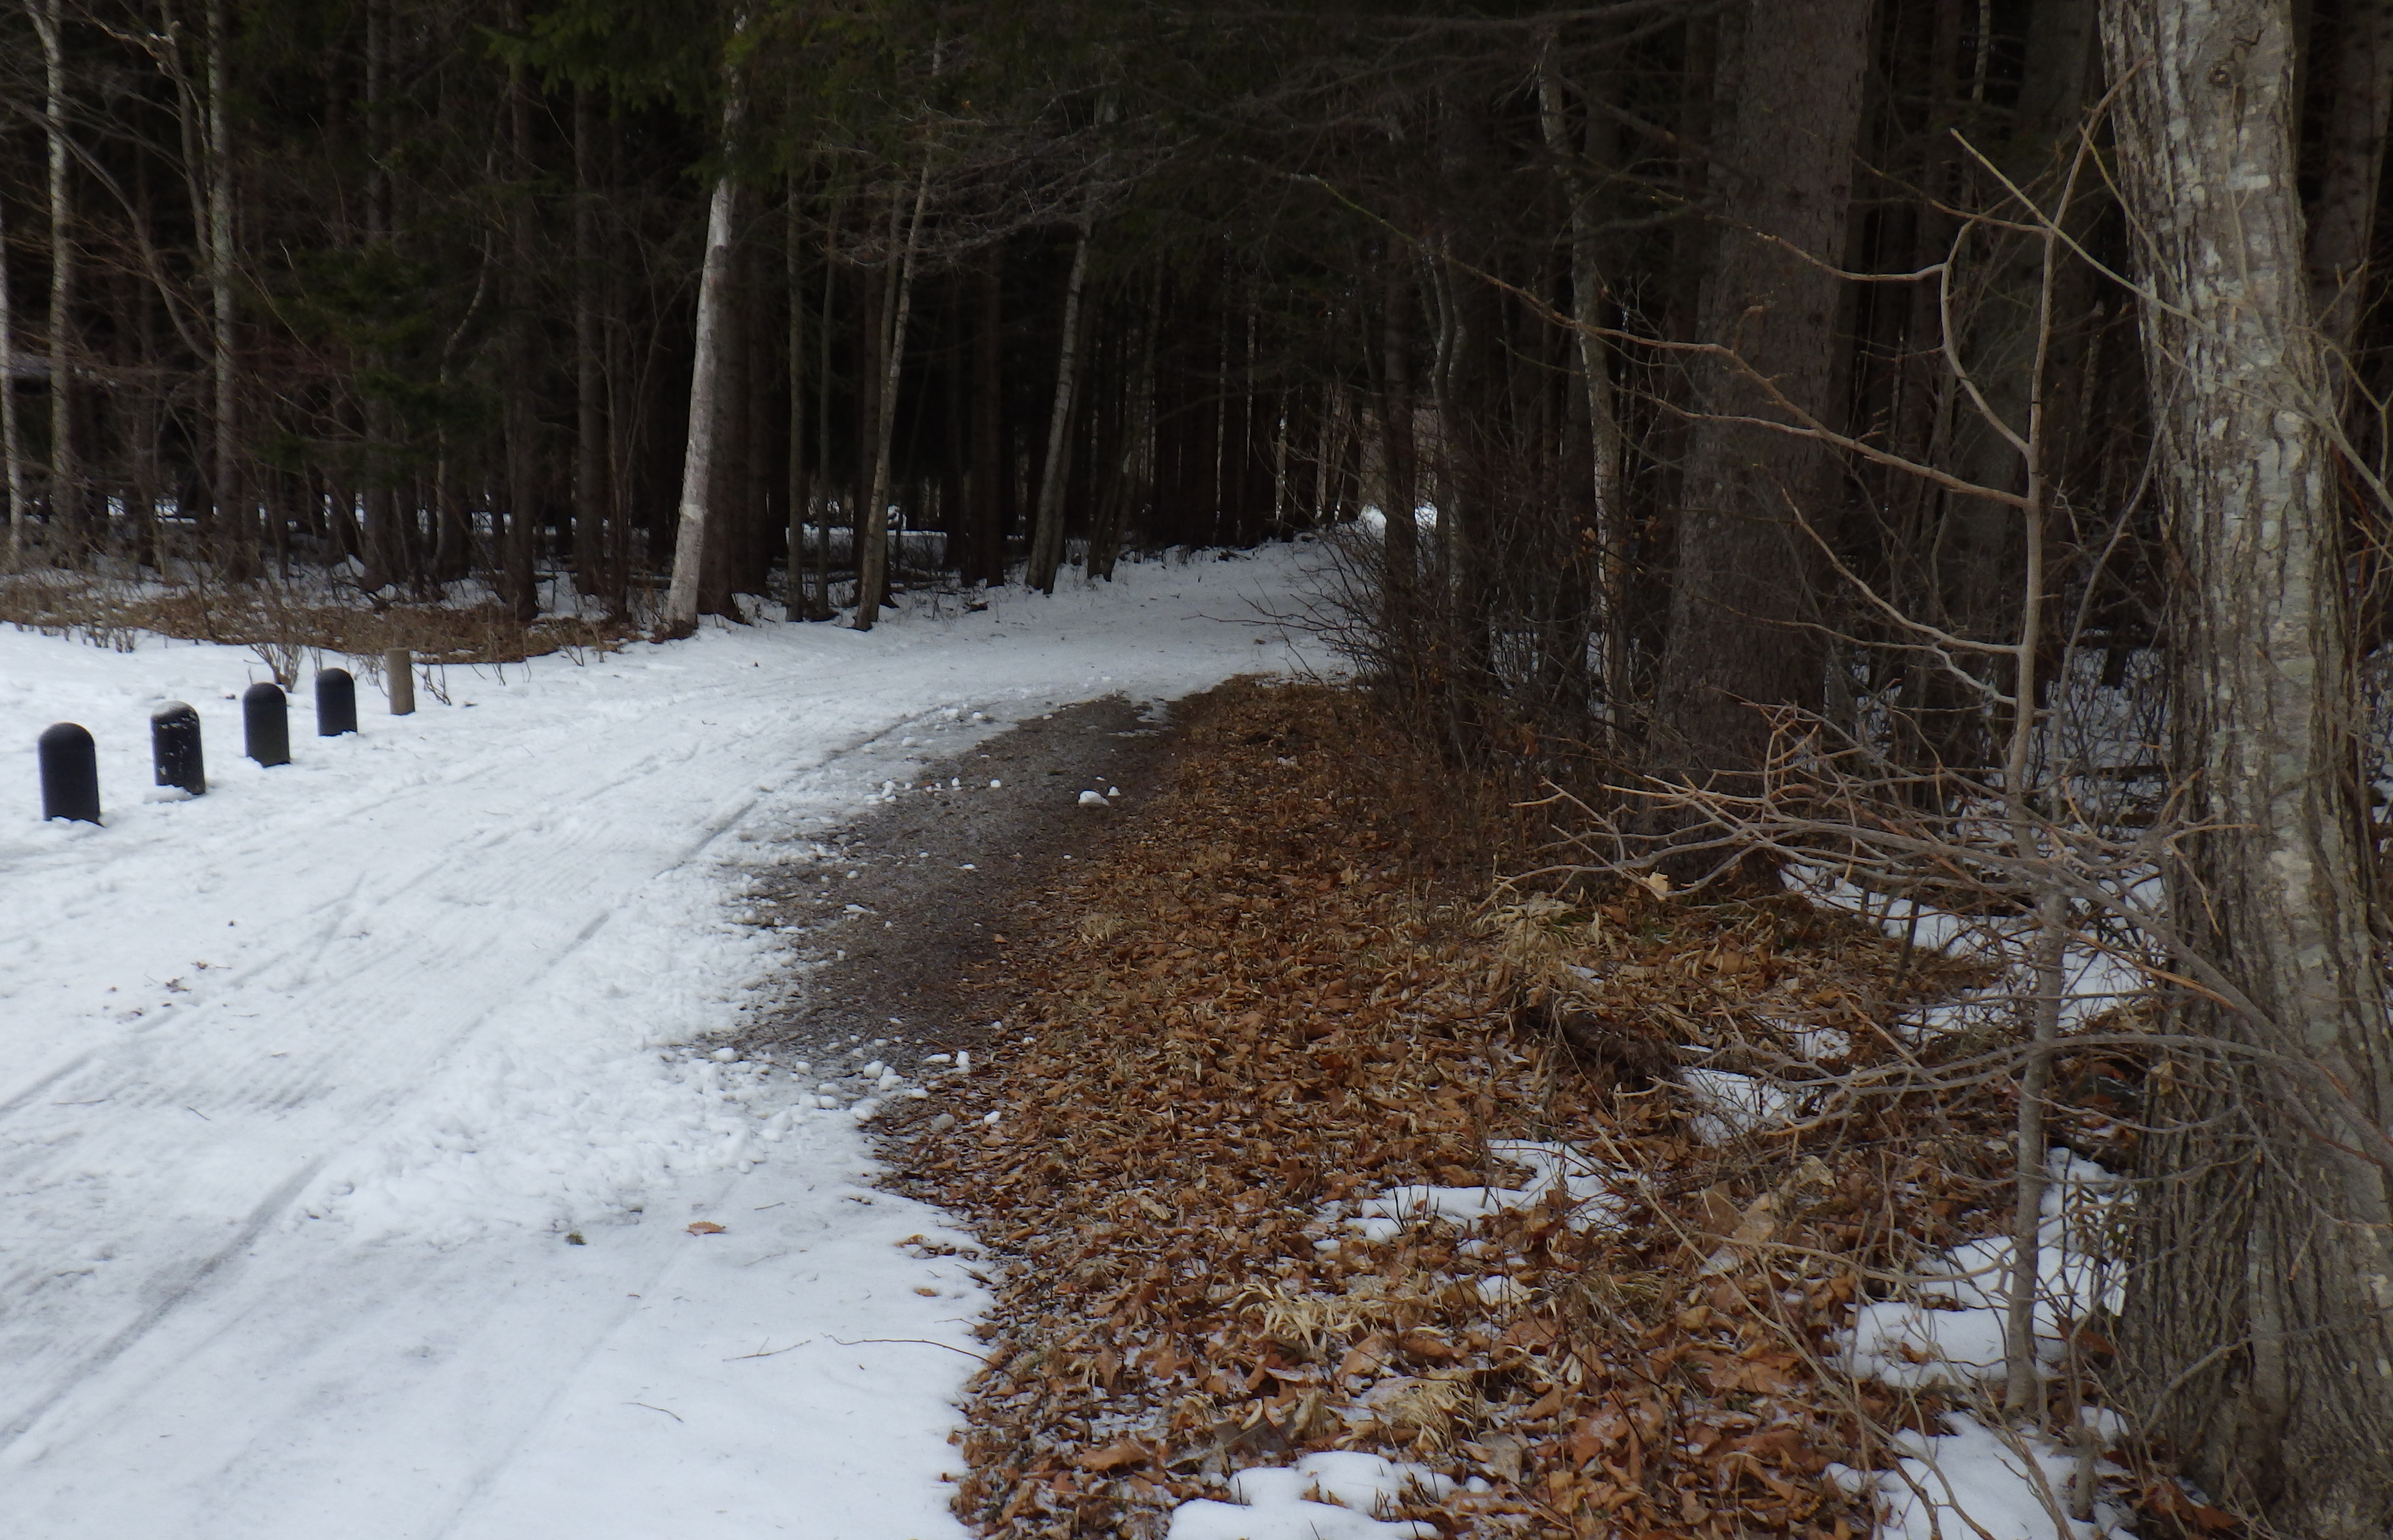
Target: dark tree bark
{"x": 2351, "y": 167}
{"x": 527, "y": 480}
{"x": 986, "y": 479}
{"x": 1047, "y": 527}
{"x": 1791, "y": 110}
{"x": 589, "y": 390}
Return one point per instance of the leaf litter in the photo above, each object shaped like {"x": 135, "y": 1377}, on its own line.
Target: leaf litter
{"x": 1312, "y": 1145}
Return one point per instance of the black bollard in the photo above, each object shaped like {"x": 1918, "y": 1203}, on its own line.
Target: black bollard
{"x": 336, "y": 702}
{"x": 70, "y": 773}
{"x": 266, "y": 724}
{"x": 174, "y": 748}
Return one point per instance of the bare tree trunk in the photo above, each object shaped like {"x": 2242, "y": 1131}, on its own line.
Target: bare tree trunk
{"x": 382, "y": 549}
{"x": 989, "y": 423}
{"x": 1595, "y": 376}
{"x": 1400, "y": 496}
{"x": 821, "y": 495}
{"x": 1784, "y": 164}
{"x": 526, "y": 486}
{"x": 701, "y": 475}
{"x": 2351, "y": 162}
{"x": 12, "y": 444}
{"x": 66, "y": 473}
{"x": 873, "y": 562}
{"x": 2260, "y": 1320}
{"x": 1047, "y": 533}
{"x": 236, "y": 525}
{"x": 795, "y": 604}
{"x": 589, "y": 423}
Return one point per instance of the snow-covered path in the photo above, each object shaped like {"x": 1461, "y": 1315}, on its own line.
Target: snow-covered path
{"x": 303, "y": 1082}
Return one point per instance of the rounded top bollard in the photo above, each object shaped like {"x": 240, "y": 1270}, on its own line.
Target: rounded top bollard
{"x": 337, "y": 703}
{"x": 266, "y": 724}
{"x": 70, "y": 773}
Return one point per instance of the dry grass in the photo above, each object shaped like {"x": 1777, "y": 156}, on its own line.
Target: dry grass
{"x": 284, "y": 628}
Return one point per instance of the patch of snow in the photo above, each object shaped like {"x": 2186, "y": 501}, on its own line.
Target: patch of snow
{"x": 1912, "y": 1342}
{"x": 1583, "y": 1182}
{"x": 1732, "y": 1103}
{"x": 1337, "y": 1495}
{"x": 1974, "y": 1481}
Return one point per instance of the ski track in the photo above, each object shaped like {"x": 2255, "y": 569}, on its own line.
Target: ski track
{"x": 278, "y": 1239}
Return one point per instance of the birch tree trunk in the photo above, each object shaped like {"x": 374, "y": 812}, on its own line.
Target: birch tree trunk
{"x": 700, "y": 469}
{"x": 2260, "y": 1320}
{"x": 1047, "y": 532}
{"x": 66, "y": 475}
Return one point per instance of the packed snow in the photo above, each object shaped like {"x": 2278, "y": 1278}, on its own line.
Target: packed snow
{"x": 376, "y": 1162}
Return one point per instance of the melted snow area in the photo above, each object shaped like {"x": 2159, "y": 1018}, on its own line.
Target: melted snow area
{"x": 306, "y": 1083}
{"x": 1981, "y": 1479}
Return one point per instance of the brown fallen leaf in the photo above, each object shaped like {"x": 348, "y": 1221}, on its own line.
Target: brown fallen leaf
{"x": 1365, "y": 1358}
{"x": 705, "y": 1227}
{"x": 1428, "y": 1342}
{"x": 1115, "y": 1455}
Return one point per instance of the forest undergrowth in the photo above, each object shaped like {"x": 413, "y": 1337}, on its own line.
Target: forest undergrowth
{"x": 1294, "y": 987}
{"x": 285, "y": 623}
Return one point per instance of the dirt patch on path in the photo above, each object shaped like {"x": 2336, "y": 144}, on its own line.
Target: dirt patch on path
{"x": 900, "y": 920}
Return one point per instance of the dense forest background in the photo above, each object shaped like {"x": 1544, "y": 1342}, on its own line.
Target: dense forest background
{"x": 1944, "y": 433}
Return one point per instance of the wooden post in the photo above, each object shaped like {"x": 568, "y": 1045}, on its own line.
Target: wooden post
{"x": 398, "y": 679}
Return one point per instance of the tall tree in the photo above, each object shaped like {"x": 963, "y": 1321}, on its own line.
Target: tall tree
{"x": 12, "y": 447}
{"x": 66, "y": 472}
{"x": 704, "y": 481}
{"x": 1791, "y": 105}
{"x": 235, "y": 526}
{"x": 2261, "y": 1321}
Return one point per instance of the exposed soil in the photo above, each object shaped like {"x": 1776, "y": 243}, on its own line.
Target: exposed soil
{"x": 903, "y": 923}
